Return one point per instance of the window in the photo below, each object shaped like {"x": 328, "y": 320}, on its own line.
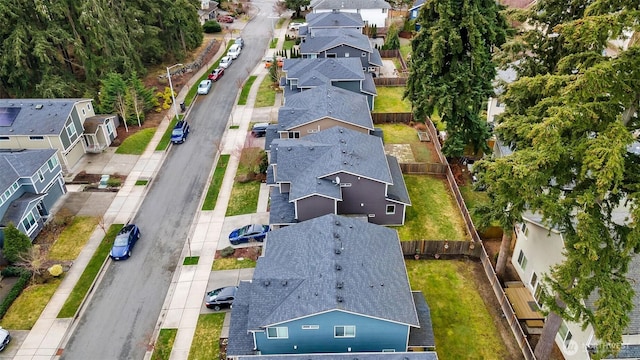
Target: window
{"x": 523, "y": 227}
{"x": 37, "y": 138}
{"x": 40, "y": 175}
{"x": 29, "y": 222}
{"x": 522, "y": 260}
{"x": 565, "y": 334}
{"x": 7, "y": 194}
{"x": 4, "y": 138}
{"x": 534, "y": 280}
{"x": 294, "y": 134}
{"x": 89, "y": 106}
{"x": 388, "y": 350}
{"x": 345, "y": 184}
{"x": 332, "y": 55}
{"x": 344, "y": 331}
{"x": 310, "y": 327}
{"x": 71, "y": 130}
{"x": 84, "y": 112}
{"x": 277, "y": 333}
{"x": 384, "y": 11}
{"x": 14, "y": 186}
{"x": 109, "y": 125}
{"x": 52, "y": 163}
{"x": 391, "y": 209}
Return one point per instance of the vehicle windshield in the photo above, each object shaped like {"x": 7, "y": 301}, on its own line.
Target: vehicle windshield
{"x": 176, "y": 132}
{"x": 121, "y": 240}
{"x": 203, "y": 85}
{"x": 244, "y": 230}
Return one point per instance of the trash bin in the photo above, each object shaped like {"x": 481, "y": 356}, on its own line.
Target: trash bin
{"x": 182, "y": 107}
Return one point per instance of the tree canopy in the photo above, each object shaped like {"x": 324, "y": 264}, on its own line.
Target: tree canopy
{"x": 64, "y": 48}
{"x": 571, "y": 117}
{"x": 451, "y": 70}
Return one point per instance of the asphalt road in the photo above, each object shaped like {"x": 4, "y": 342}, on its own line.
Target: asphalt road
{"x": 120, "y": 319}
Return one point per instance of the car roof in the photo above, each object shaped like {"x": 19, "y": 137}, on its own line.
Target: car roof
{"x": 228, "y": 290}
{"x": 179, "y": 124}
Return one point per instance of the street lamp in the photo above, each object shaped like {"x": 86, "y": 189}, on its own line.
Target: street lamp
{"x": 173, "y": 96}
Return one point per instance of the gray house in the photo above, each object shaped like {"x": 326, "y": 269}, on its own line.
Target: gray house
{"x": 346, "y": 73}
{"x": 341, "y": 43}
{"x": 317, "y": 109}
{"x": 335, "y": 171}
{"x": 328, "y": 286}
{"x": 68, "y": 125}
{"x": 331, "y": 20}
{"x": 30, "y": 183}
{"x": 373, "y": 12}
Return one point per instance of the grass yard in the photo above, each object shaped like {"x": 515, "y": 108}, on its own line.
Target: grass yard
{"x": 214, "y": 188}
{"x": 164, "y": 344}
{"x": 472, "y": 199}
{"x": 89, "y": 274}
{"x": 191, "y": 260}
{"x": 433, "y": 214}
{"x": 405, "y": 49}
{"x": 244, "y": 198}
{"x": 462, "y": 325}
{"x": 73, "y": 238}
{"x": 142, "y": 182}
{"x": 166, "y": 137}
{"x": 232, "y": 263}
{"x": 26, "y": 309}
{"x": 205, "y": 345}
{"x": 244, "y": 94}
{"x": 404, "y": 134}
{"x": 266, "y": 93}
{"x": 136, "y": 143}
{"x": 389, "y": 100}
{"x": 288, "y": 45}
{"x": 273, "y": 43}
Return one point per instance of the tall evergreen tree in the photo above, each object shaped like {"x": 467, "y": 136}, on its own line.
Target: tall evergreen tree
{"x": 451, "y": 67}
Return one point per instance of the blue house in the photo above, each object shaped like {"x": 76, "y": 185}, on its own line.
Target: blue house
{"x": 332, "y": 284}
{"x": 414, "y": 10}
{"x": 30, "y": 183}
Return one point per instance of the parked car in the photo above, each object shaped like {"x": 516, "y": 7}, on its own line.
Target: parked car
{"x": 259, "y": 129}
{"x": 247, "y": 233}
{"x": 225, "y": 19}
{"x": 5, "y": 338}
{"x": 239, "y": 41}
{"x": 216, "y": 299}
{"x": 295, "y": 25}
{"x": 234, "y": 51}
{"x": 216, "y": 74}
{"x": 180, "y": 132}
{"x": 124, "y": 242}
{"x": 225, "y": 62}
{"x": 204, "y": 87}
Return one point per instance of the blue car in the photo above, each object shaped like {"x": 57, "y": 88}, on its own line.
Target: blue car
{"x": 180, "y": 132}
{"x": 125, "y": 240}
{"x": 247, "y": 233}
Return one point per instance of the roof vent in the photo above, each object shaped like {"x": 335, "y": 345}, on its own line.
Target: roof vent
{"x": 338, "y": 267}
{"x": 267, "y": 283}
{"x": 337, "y": 251}
{"x": 39, "y": 106}
{"x": 337, "y": 223}
{"x": 284, "y": 283}
{"x": 339, "y": 284}
{"x": 336, "y": 235}
{"x": 340, "y": 299}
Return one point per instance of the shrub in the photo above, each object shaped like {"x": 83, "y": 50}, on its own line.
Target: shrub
{"x": 211, "y": 27}
{"x": 15, "y": 291}
{"x": 227, "y": 252}
{"x": 55, "y": 270}
{"x": 15, "y": 243}
{"x": 12, "y": 271}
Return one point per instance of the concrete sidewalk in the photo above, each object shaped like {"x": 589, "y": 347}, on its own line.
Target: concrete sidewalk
{"x": 184, "y": 298}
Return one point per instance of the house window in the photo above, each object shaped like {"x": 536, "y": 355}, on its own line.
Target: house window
{"x": 71, "y": 130}
{"x": 7, "y": 194}
{"x": 523, "y": 227}
{"x": 36, "y": 138}
{"x": 40, "y": 175}
{"x": 565, "y": 334}
{"x": 294, "y": 134}
{"x": 391, "y": 209}
{"x": 14, "y": 186}
{"x": 29, "y": 222}
{"x": 84, "y": 112}
{"x": 332, "y": 55}
{"x": 388, "y": 350}
{"x": 534, "y": 280}
{"x": 384, "y": 11}
{"x": 89, "y": 106}
{"x": 310, "y": 327}
{"x": 109, "y": 125}
{"x": 52, "y": 163}
{"x": 345, "y": 184}
{"x": 278, "y": 332}
{"x": 344, "y": 331}
{"x": 4, "y": 138}
{"x": 522, "y": 260}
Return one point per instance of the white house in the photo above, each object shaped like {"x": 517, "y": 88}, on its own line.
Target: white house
{"x": 373, "y": 12}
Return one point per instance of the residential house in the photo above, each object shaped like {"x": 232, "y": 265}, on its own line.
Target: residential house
{"x": 55, "y": 124}
{"x": 318, "y": 109}
{"x": 414, "y": 10}
{"x": 329, "y": 285}
{"x": 346, "y": 73}
{"x": 341, "y": 43}
{"x": 539, "y": 247}
{"x": 30, "y": 183}
{"x": 335, "y": 171}
{"x": 373, "y": 12}
{"x": 335, "y": 19}
{"x": 208, "y": 11}
{"x": 415, "y": 355}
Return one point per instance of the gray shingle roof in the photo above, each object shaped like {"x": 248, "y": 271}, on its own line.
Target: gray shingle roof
{"x": 417, "y": 3}
{"x": 18, "y": 207}
{"x": 316, "y": 72}
{"x": 325, "y": 101}
{"x": 422, "y": 355}
{"x": 325, "y": 39}
{"x": 300, "y": 269}
{"x": 375, "y": 58}
{"x": 281, "y": 211}
{"x": 334, "y": 19}
{"x": 21, "y": 163}
{"x": 368, "y": 85}
{"x": 240, "y": 340}
{"x": 422, "y": 336}
{"x": 398, "y": 191}
{"x": 349, "y": 4}
{"x": 38, "y": 116}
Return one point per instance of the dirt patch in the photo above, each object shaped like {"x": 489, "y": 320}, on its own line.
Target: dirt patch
{"x": 252, "y": 252}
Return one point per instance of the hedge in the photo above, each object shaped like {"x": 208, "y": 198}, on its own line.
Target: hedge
{"x": 16, "y": 290}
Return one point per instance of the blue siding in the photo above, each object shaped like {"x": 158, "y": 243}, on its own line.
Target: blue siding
{"x": 372, "y": 335}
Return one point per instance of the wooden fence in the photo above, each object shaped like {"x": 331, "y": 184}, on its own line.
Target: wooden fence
{"x": 394, "y": 54}
{"x": 384, "y": 118}
{"x": 390, "y": 81}
{"x": 440, "y": 248}
{"x": 423, "y": 168}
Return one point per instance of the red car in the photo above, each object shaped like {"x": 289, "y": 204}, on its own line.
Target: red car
{"x": 216, "y": 74}
{"x": 225, "y": 19}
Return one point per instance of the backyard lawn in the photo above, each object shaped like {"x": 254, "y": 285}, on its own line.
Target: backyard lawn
{"x": 389, "y": 100}
{"x": 462, "y": 326}
{"x": 404, "y": 134}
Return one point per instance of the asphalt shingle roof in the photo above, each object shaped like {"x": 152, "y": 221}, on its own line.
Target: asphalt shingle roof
{"x": 281, "y": 211}
{"x": 38, "y": 116}
{"x": 325, "y": 39}
{"x": 398, "y": 191}
{"x": 334, "y": 19}
{"x": 18, "y": 207}
{"x": 349, "y": 4}
{"x": 316, "y": 72}
{"x": 422, "y": 336}
{"x": 416, "y": 355}
{"x": 21, "y": 163}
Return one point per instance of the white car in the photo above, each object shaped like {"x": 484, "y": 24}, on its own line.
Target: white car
{"x": 225, "y": 61}
{"x": 204, "y": 87}
{"x": 296, "y": 25}
{"x": 234, "y": 51}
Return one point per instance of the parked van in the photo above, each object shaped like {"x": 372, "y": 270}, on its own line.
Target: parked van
{"x": 234, "y": 51}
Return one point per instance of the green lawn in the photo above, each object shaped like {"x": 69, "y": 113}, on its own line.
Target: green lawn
{"x": 89, "y": 274}
{"x": 73, "y": 238}
{"x": 433, "y": 214}
{"x": 244, "y": 198}
{"x": 244, "y": 94}
{"x": 462, "y": 325}
{"x": 26, "y": 309}
{"x": 404, "y": 134}
{"x": 288, "y": 44}
{"x": 164, "y": 344}
{"x": 136, "y": 143}
{"x": 389, "y": 100}
{"x": 266, "y": 93}
{"x": 232, "y": 263}
{"x": 473, "y": 198}
{"x": 191, "y": 260}
{"x": 405, "y": 49}
{"x": 273, "y": 43}
{"x": 166, "y": 137}
{"x": 206, "y": 340}
{"x": 214, "y": 188}
{"x": 142, "y": 182}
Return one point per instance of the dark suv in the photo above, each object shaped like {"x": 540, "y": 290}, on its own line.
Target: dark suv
{"x": 180, "y": 132}
{"x": 259, "y": 129}
{"x": 218, "y": 298}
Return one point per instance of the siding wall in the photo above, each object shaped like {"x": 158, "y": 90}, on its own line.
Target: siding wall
{"x": 314, "y": 206}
